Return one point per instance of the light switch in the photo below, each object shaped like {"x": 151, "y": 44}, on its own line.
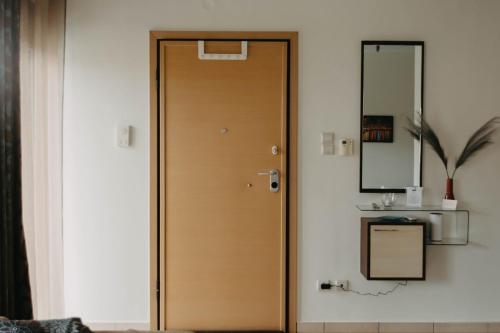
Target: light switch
{"x": 327, "y": 143}
{"x": 327, "y": 149}
{"x": 327, "y": 137}
{"x": 123, "y": 136}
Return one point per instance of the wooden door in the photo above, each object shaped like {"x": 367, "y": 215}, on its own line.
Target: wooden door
{"x": 225, "y": 230}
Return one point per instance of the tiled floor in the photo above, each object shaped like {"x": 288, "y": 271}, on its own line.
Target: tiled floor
{"x": 398, "y": 327}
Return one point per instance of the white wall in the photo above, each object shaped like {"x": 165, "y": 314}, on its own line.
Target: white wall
{"x": 106, "y": 188}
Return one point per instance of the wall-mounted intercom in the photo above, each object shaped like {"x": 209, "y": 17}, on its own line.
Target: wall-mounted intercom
{"x": 346, "y": 147}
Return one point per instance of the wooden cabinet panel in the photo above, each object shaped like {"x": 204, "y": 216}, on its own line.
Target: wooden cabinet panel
{"x": 392, "y": 250}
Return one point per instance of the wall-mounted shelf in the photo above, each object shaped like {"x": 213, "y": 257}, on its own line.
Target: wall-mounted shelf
{"x": 423, "y": 208}
{"x": 455, "y": 221}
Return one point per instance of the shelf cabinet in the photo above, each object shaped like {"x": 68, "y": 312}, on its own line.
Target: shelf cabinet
{"x": 455, "y": 222}
{"x": 392, "y": 250}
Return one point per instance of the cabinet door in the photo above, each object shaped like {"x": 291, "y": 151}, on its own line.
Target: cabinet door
{"x": 396, "y": 251}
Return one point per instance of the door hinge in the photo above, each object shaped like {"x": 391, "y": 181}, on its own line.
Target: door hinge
{"x": 157, "y": 75}
{"x": 158, "y": 289}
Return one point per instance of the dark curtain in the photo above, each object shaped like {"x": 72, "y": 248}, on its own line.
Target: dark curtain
{"x": 15, "y": 294}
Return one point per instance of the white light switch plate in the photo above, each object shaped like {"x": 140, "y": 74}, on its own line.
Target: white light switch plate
{"x": 123, "y": 136}
{"x": 327, "y": 143}
{"x": 327, "y": 137}
{"x": 327, "y": 149}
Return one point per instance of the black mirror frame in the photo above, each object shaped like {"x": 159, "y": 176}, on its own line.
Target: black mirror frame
{"x": 386, "y": 42}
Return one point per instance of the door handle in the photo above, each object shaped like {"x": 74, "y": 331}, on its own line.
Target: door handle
{"x": 274, "y": 179}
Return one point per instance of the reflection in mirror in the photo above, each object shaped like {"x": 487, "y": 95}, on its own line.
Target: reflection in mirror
{"x": 391, "y": 94}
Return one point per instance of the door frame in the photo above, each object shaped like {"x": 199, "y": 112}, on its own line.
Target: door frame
{"x": 157, "y": 167}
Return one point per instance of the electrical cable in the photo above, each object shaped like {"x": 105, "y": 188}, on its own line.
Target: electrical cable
{"x": 378, "y": 293}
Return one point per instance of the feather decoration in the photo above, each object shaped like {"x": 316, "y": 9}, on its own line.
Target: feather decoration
{"x": 422, "y": 130}
{"x": 478, "y": 141}
{"x": 413, "y": 129}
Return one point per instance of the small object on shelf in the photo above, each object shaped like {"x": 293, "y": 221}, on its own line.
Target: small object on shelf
{"x": 436, "y": 226}
{"x": 388, "y": 199}
{"x": 391, "y": 218}
{"x": 449, "y": 204}
{"x": 414, "y": 196}
{"x": 375, "y": 206}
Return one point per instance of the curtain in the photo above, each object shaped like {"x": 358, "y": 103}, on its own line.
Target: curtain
{"x": 15, "y": 294}
{"x": 42, "y": 59}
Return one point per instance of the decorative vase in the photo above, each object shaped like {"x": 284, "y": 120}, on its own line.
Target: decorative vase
{"x": 449, "y": 189}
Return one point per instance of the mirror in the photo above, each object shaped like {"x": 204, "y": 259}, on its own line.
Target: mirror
{"x": 391, "y": 93}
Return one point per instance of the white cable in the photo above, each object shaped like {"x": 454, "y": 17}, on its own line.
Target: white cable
{"x": 378, "y": 293}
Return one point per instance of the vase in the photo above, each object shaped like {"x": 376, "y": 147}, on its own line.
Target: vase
{"x": 449, "y": 189}
{"x": 436, "y": 220}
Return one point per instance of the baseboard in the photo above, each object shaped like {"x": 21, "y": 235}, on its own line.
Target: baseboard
{"x": 118, "y": 326}
{"x": 395, "y": 327}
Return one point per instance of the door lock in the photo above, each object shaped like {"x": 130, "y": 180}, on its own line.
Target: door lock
{"x": 275, "y": 150}
{"x": 274, "y": 179}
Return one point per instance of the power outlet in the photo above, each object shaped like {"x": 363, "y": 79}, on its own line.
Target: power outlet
{"x": 319, "y": 283}
{"x": 335, "y": 285}
{"x": 341, "y": 284}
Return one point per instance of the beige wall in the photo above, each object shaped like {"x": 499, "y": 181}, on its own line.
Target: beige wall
{"x": 106, "y": 188}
